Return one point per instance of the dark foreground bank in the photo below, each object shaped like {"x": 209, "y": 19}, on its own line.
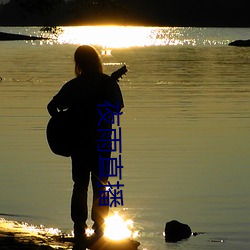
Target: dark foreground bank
{"x": 18, "y": 241}
{"x": 14, "y": 235}
{"x": 10, "y": 242}
{"x": 18, "y": 236}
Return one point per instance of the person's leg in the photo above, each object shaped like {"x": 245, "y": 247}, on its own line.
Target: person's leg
{"x": 79, "y": 208}
{"x": 99, "y": 209}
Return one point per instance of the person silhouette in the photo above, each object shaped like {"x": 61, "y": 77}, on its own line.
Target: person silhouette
{"x": 80, "y": 96}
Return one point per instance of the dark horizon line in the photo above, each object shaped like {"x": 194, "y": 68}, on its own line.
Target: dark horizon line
{"x": 124, "y": 25}
{"x": 110, "y": 22}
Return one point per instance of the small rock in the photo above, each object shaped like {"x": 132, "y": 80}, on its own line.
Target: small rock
{"x": 176, "y": 231}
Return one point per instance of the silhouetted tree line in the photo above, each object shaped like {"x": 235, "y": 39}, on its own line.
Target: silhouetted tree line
{"x": 61, "y": 12}
{"x": 153, "y": 12}
{"x": 213, "y": 13}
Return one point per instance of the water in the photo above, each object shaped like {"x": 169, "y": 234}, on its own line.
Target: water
{"x": 185, "y": 133}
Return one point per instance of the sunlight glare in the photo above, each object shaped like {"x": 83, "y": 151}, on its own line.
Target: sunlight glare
{"x": 106, "y": 36}
{"x": 89, "y": 232}
{"x": 119, "y": 229}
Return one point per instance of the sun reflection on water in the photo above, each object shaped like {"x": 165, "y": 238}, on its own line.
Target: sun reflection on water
{"x": 117, "y": 228}
{"x": 107, "y": 36}
{"x": 110, "y": 37}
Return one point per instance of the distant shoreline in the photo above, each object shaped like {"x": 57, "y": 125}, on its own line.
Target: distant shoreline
{"x": 16, "y": 37}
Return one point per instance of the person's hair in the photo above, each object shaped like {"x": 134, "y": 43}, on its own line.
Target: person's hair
{"x": 87, "y": 60}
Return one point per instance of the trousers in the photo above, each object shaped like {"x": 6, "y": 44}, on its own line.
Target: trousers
{"x": 85, "y": 166}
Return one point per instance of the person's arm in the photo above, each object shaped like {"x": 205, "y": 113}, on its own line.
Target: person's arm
{"x": 52, "y": 108}
{"x": 114, "y": 94}
{"x": 61, "y": 100}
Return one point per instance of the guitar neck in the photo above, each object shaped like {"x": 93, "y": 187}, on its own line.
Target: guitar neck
{"x": 119, "y": 73}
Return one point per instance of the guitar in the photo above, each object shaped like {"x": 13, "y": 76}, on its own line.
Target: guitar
{"x": 119, "y": 73}
{"x": 60, "y": 127}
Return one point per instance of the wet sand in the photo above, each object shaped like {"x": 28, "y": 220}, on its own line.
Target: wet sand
{"x": 8, "y": 241}
{"x": 12, "y": 241}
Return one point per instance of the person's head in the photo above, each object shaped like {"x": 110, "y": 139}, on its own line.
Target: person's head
{"x": 87, "y": 60}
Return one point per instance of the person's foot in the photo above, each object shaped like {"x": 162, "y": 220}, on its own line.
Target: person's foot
{"x": 80, "y": 235}
{"x": 80, "y": 230}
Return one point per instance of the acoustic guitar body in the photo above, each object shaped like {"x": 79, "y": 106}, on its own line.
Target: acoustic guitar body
{"x": 59, "y": 133}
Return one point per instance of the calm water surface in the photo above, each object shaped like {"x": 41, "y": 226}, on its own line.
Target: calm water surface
{"x": 185, "y": 136}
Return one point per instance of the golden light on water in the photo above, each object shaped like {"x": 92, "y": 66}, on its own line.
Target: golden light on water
{"x": 116, "y": 228}
{"x": 106, "y": 36}
{"x": 127, "y": 36}
{"x": 110, "y": 37}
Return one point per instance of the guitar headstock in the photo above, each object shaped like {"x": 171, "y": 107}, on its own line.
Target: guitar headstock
{"x": 119, "y": 73}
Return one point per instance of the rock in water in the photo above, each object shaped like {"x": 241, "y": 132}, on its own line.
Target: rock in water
{"x": 176, "y": 231}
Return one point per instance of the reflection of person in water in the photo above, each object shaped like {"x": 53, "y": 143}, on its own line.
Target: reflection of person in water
{"x": 81, "y": 96}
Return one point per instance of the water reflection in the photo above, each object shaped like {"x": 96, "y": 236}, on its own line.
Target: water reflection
{"x": 122, "y": 37}
{"x": 131, "y": 36}
{"x": 107, "y": 36}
